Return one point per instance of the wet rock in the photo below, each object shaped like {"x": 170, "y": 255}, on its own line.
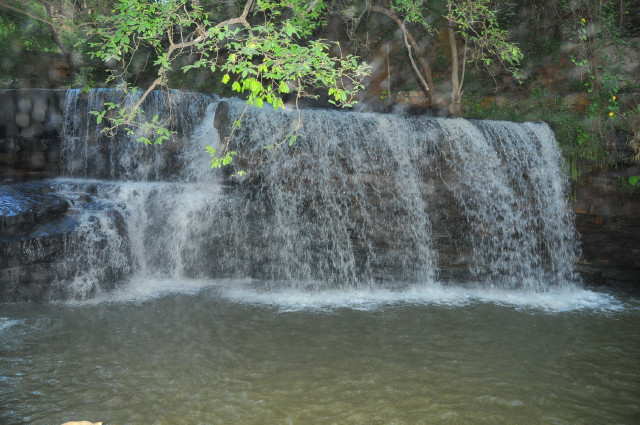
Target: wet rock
{"x": 46, "y": 244}
{"x": 609, "y": 227}
{"x": 22, "y": 206}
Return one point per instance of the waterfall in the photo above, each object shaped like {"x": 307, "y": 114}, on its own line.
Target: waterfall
{"x": 362, "y": 198}
{"x": 511, "y": 187}
{"x": 88, "y": 151}
{"x": 359, "y": 200}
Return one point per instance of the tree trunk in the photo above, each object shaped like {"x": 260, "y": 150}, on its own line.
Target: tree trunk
{"x": 56, "y": 39}
{"x": 455, "y": 107}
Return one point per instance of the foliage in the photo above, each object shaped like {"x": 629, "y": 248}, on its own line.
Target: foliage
{"x": 46, "y": 29}
{"x": 600, "y": 56}
{"x": 14, "y": 27}
{"x": 264, "y": 53}
{"x": 590, "y": 132}
{"x": 477, "y": 22}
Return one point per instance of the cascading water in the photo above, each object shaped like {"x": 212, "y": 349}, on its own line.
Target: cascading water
{"x": 512, "y": 189}
{"x": 367, "y": 197}
{"x": 147, "y": 222}
{"x": 361, "y": 200}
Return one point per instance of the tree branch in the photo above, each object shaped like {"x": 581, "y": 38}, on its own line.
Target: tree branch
{"x": 413, "y": 63}
{"x": 455, "y": 80}
{"x": 24, "y": 12}
{"x": 242, "y": 19}
{"x": 311, "y": 6}
{"x": 153, "y": 85}
{"x": 54, "y": 36}
{"x": 425, "y": 76}
{"x": 464, "y": 61}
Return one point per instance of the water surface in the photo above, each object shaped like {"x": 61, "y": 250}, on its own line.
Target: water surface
{"x": 205, "y": 356}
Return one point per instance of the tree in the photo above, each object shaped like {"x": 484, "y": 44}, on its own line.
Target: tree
{"x": 402, "y": 14}
{"x": 264, "y": 52}
{"x": 53, "y": 26}
{"x": 58, "y": 17}
{"x": 475, "y": 22}
{"x": 473, "y": 32}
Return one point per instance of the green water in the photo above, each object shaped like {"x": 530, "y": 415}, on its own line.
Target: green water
{"x": 203, "y": 358}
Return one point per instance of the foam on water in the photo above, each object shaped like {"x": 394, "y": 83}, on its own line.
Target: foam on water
{"x": 141, "y": 289}
{"x": 286, "y": 299}
{"x": 7, "y": 323}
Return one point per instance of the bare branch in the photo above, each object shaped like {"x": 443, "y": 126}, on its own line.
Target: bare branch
{"x": 242, "y": 19}
{"x": 413, "y": 63}
{"x": 153, "y": 85}
{"x": 455, "y": 78}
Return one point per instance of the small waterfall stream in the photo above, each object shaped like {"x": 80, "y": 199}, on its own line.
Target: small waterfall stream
{"x": 360, "y": 200}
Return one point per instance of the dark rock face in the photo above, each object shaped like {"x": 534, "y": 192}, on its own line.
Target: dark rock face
{"x": 33, "y": 229}
{"x": 608, "y": 221}
{"x": 43, "y": 244}
{"x": 31, "y": 113}
{"x": 30, "y": 128}
{"x": 22, "y": 207}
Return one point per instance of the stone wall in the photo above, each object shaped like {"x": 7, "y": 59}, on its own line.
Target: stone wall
{"x": 608, "y": 222}
{"x": 31, "y": 122}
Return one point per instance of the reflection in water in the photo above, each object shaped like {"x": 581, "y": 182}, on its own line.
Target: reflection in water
{"x": 201, "y": 357}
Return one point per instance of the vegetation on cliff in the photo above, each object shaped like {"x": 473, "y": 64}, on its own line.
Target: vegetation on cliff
{"x": 573, "y": 63}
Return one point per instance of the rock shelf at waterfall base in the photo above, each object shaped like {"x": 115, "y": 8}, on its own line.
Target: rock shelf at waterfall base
{"x": 361, "y": 201}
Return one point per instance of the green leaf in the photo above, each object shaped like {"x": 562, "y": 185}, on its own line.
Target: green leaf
{"x": 225, "y": 79}
{"x": 227, "y": 160}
